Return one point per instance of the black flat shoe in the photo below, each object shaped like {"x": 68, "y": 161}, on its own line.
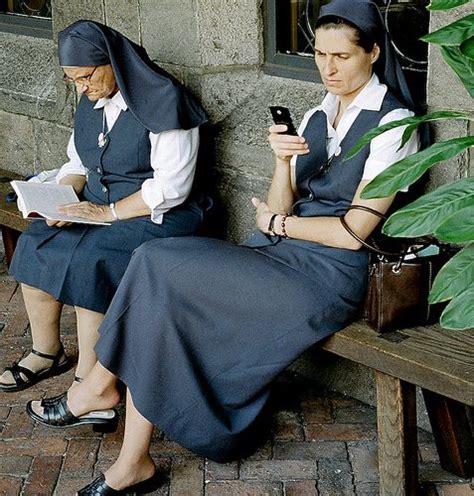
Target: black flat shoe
{"x": 98, "y": 487}
{"x": 57, "y": 414}
{"x": 25, "y": 378}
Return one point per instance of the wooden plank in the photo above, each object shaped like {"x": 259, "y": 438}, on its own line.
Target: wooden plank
{"x": 436, "y": 359}
{"x": 397, "y": 441}
{"x": 452, "y": 434}
{"x": 9, "y": 213}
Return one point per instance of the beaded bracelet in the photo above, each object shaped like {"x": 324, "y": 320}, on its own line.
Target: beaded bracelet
{"x": 283, "y": 226}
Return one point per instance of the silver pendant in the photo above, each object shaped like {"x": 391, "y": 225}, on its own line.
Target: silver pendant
{"x": 101, "y": 140}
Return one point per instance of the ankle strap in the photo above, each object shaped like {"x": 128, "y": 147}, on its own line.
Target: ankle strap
{"x": 48, "y": 356}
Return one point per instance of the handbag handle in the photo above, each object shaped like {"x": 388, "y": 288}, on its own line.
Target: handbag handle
{"x": 368, "y": 245}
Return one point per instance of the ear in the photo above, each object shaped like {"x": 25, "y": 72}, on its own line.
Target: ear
{"x": 375, "y": 53}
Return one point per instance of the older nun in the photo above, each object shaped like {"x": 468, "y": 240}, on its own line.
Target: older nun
{"x": 132, "y": 159}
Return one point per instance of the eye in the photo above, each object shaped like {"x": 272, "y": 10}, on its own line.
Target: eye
{"x": 343, "y": 57}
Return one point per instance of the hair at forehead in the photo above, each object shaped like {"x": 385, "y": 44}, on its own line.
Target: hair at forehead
{"x": 359, "y": 37}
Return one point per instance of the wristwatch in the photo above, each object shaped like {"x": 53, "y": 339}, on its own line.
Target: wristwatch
{"x": 114, "y": 212}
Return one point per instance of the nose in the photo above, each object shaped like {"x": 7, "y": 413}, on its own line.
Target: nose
{"x": 330, "y": 66}
{"x": 81, "y": 87}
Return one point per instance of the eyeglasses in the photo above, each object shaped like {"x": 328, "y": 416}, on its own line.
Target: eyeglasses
{"x": 82, "y": 80}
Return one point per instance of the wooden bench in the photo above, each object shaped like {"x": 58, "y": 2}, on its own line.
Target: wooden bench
{"x": 441, "y": 362}
{"x": 11, "y": 220}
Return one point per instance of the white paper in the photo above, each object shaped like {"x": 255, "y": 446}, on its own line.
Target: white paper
{"x": 36, "y": 200}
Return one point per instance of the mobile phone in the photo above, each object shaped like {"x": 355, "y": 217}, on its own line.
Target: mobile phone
{"x": 281, "y": 115}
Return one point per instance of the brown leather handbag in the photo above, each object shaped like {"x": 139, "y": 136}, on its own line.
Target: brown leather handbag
{"x": 398, "y": 286}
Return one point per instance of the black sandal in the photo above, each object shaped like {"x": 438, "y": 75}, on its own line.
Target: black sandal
{"x": 56, "y": 414}
{"x": 99, "y": 487}
{"x": 32, "y": 378}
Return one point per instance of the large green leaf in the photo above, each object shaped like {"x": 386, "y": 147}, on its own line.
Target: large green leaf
{"x": 467, "y": 48}
{"x": 424, "y": 215}
{"x": 455, "y": 276}
{"x": 407, "y": 171}
{"x": 445, "y": 4}
{"x": 459, "y": 228}
{"x": 411, "y": 122}
{"x": 459, "y": 314}
{"x": 461, "y": 65}
{"x": 454, "y": 33}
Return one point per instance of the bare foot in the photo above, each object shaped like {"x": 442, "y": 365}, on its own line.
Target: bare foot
{"x": 32, "y": 362}
{"x": 124, "y": 473}
{"x": 86, "y": 397}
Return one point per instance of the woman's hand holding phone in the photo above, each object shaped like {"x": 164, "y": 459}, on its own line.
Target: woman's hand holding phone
{"x": 285, "y": 145}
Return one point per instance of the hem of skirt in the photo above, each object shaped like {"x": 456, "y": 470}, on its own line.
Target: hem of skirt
{"x": 60, "y": 298}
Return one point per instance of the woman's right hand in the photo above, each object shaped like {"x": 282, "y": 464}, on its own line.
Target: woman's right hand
{"x": 284, "y": 146}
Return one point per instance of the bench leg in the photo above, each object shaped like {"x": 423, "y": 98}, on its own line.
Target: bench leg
{"x": 10, "y": 237}
{"x": 397, "y": 436}
{"x": 452, "y": 434}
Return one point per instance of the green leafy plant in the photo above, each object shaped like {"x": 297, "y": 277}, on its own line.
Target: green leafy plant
{"x": 447, "y": 212}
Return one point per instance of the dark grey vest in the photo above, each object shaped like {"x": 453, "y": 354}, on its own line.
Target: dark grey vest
{"x": 327, "y": 188}
{"x": 120, "y": 167}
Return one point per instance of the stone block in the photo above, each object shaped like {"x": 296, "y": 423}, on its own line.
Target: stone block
{"x": 123, "y": 15}
{"x": 27, "y": 76}
{"x": 170, "y": 31}
{"x": 455, "y": 168}
{"x": 445, "y": 90}
{"x": 335, "y": 478}
{"x": 186, "y": 478}
{"x": 339, "y": 432}
{"x": 364, "y": 459}
{"x": 229, "y": 32}
{"x": 241, "y": 488}
{"x": 278, "y": 470}
{"x": 80, "y": 458}
{"x": 15, "y": 465}
{"x": 18, "y": 425}
{"x": 66, "y": 12}
{"x": 333, "y": 450}
{"x": 456, "y": 490}
{"x": 17, "y": 144}
{"x": 287, "y": 427}
{"x": 51, "y": 144}
{"x": 221, "y": 471}
{"x": 301, "y": 488}
{"x": 10, "y": 486}
{"x": 43, "y": 476}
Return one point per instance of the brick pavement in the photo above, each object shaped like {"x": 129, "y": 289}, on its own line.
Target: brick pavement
{"x": 319, "y": 443}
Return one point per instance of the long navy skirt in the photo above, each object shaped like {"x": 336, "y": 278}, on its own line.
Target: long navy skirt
{"x": 83, "y": 264}
{"x": 199, "y": 328}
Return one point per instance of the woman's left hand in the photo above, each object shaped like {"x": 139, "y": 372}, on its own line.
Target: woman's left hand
{"x": 88, "y": 210}
{"x": 263, "y": 214}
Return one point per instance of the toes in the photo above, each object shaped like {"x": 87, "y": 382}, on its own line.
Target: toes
{"x": 37, "y": 408}
{"x": 7, "y": 379}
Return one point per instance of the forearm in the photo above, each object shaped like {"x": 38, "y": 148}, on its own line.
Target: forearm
{"x": 77, "y": 181}
{"x": 280, "y": 195}
{"x": 324, "y": 230}
{"x": 132, "y": 206}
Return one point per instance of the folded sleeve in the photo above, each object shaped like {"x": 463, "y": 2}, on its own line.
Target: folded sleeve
{"x": 173, "y": 159}
{"x": 74, "y": 165}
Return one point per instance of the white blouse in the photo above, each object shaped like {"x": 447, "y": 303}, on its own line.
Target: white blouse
{"x": 173, "y": 158}
{"x": 384, "y": 148}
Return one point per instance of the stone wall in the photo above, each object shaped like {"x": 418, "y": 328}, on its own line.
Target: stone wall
{"x": 216, "y": 48}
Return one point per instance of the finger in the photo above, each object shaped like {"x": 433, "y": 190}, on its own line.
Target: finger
{"x": 51, "y": 223}
{"x": 278, "y": 128}
{"x": 255, "y": 202}
{"x": 285, "y": 138}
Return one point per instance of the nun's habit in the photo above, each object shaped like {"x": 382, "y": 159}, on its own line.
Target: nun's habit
{"x": 199, "y": 328}
{"x": 82, "y": 264}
